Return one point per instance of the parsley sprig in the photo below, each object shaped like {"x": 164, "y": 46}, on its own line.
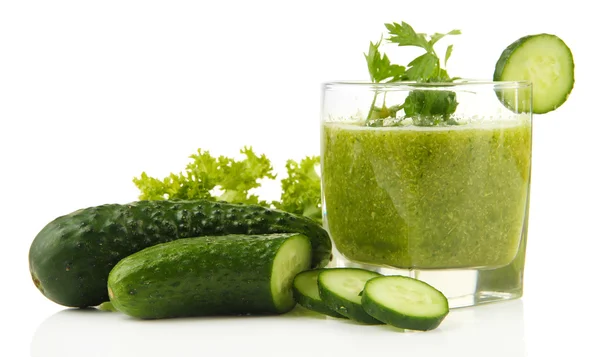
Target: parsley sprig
{"x": 380, "y": 68}
{"x": 424, "y": 107}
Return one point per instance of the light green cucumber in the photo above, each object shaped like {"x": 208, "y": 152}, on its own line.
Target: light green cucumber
{"x": 306, "y": 293}
{"x": 404, "y": 302}
{"x": 544, "y": 60}
{"x": 341, "y": 288}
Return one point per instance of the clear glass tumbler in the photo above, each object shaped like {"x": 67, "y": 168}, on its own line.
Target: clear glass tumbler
{"x": 430, "y": 181}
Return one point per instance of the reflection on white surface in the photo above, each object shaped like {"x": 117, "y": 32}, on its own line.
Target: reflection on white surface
{"x": 493, "y": 330}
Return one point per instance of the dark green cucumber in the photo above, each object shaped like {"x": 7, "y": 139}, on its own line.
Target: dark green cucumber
{"x": 404, "y": 302}
{"x": 544, "y": 60}
{"x": 340, "y": 289}
{"x": 221, "y": 275}
{"x": 306, "y": 293}
{"x": 71, "y": 257}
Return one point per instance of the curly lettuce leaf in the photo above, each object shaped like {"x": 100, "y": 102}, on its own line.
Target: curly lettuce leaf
{"x": 225, "y": 179}
{"x": 301, "y": 190}
{"x": 207, "y": 177}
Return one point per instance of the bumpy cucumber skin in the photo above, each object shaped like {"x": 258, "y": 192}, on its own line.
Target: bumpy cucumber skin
{"x": 221, "y": 275}
{"x": 312, "y": 304}
{"x": 71, "y": 257}
{"x": 505, "y": 59}
{"x": 349, "y": 309}
{"x": 395, "y": 319}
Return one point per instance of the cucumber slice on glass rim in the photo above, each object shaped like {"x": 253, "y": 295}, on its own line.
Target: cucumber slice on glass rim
{"x": 544, "y": 60}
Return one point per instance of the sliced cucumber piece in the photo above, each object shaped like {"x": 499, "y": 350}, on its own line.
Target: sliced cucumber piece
{"x": 405, "y": 302}
{"x": 544, "y": 60}
{"x": 292, "y": 258}
{"x": 340, "y": 289}
{"x": 107, "y": 306}
{"x": 306, "y": 293}
{"x": 235, "y": 274}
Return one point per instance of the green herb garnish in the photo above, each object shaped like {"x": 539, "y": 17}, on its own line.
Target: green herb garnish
{"x": 380, "y": 68}
{"x": 430, "y": 108}
{"x": 227, "y": 179}
{"x": 424, "y": 107}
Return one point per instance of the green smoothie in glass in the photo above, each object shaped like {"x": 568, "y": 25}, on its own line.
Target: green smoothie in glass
{"x": 427, "y": 197}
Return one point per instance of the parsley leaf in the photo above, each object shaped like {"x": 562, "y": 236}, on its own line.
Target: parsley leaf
{"x": 438, "y": 36}
{"x": 404, "y": 35}
{"x": 430, "y": 107}
{"x": 381, "y": 70}
{"x": 448, "y": 54}
{"x": 423, "y": 67}
{"x": 380, "y": 67}
{"x": 426, "y": 68}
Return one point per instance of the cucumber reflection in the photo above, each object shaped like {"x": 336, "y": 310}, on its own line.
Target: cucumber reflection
{"x": 490, "y": 330}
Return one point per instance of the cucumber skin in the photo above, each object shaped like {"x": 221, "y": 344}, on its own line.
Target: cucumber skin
{"x": 505, "y": 58}
{"x": 501, "y": 63}
{"x": 506, "y": 54}
{"x": 314, "y": 305}
{"x": 397, "y": 320}
{"x": 310, "y": 304}
{"x": 351, "y": 310}
{"x": 221, "y": 275}
{"x": 71, "y": 257}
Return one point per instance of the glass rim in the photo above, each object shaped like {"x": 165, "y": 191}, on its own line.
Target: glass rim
{"x": 411, "y": 85}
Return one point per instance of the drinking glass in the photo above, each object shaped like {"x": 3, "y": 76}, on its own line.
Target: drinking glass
{"x": 431, "y": 181}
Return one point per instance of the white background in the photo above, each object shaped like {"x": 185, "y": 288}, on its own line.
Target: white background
{"x": 92, "y": 93}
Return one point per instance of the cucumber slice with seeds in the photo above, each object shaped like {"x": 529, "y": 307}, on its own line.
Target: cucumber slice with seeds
{"x": 306, "y": 293}
{"x": 405, "y": 302}
{"x": 544, "y": 60}
{"x": 340, "y": 289}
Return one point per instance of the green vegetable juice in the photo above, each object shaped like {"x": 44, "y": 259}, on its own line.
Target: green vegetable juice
{"x": 427, "y": 197}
